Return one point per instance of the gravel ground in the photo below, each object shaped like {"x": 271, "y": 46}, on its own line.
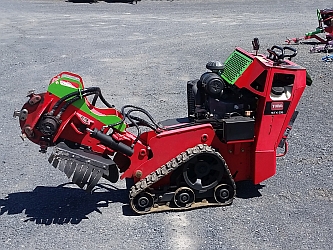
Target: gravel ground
{"x": 143, "y": 54}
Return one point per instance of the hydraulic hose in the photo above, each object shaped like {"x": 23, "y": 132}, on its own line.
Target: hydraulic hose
{"x": 108, "y": 141}
{"x": 75, "y": 93}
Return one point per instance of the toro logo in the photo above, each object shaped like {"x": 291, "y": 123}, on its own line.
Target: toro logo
{"x": 275, "y": 106}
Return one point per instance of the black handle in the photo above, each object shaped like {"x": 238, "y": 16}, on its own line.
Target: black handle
{"x": 291, "y": 49}
{"x": 255, "y": 43}
{"x": 107, "y": 140}
{"x": 273, "y": 55}
{"x": 279, "y": 51}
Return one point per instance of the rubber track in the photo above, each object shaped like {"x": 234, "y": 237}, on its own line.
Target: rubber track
{"x": 170, "y": 166}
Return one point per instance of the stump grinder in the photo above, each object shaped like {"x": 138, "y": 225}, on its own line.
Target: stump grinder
{"x": 239, "y": 113}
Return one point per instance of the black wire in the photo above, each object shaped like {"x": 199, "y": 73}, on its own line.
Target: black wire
{"x": 65, "y": 106}
{"x": 143, "y": 111}
{"x": 56, "y": 105}
{"x": 75, "y": 93}
{"x": 104, "y": 101}
{"x": 99, "y": 94}
{"x": 94, "y": 100}
{"x": 143, "y": 122}
{"x": 135, "y": 117}
{"x": 78, "y": 95}
{"x": 117, "y": 123}
{"x": 122, "y": 111}
{"x": 137, "y": 127}
{"x": 132, "y": 118}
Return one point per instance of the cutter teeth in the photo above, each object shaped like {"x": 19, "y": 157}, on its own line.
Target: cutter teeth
{"x": 79, "y": 172}
{"x": 69, "y": 169}
{"x": 51, "y": 158}
{"x": 94, "y": 178}
{"x": 55, "y": 162}
{"x": 86, "y": 176}
{"x": 84, "y": 169}
{"x": 62, "y": 164}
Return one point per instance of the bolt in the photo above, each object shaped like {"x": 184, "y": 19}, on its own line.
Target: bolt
{"x": 23, "y": 136}
{"x": 138, "y": 174}
{"x": 30, "y": 92}
{"x": 204, "y": 137}
{"x": 16, "y": 113}
{"x": 28, "y": 131}
{"x": 143, "y": 152}
{"x": 23, "y": 114}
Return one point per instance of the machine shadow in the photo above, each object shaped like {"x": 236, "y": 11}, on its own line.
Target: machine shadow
{"x": 61, "y": 205}
{"x": 66, "y": 205}
{"x": 107, "y": 1}
{"x": 247, "y": 190}
{"x": 310, "y": 42}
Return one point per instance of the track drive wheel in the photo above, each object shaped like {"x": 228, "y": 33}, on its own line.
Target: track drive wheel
{"x": 142, "y": 203}
{"x": 204, "y": 171}
{"x": 224, "y": 193}
{"x": 184, "y": 197}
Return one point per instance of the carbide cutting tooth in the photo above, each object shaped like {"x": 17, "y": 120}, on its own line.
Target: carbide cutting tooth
{"x": 95, "y": 176}
{"x": 62, "y": 165}
{"x": 79, "y": 172}
{"x": 71, "y": 169}
{"x": 67, "y": 167}
{"x": 80, "y": 180}
{"x": 86, "y": 175}
{"x": 55, "y": 162}
{"x": 51, "y": 158}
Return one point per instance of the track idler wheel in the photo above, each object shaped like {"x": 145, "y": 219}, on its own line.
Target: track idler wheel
{"x": 224, "y": 193}
{"x": 184, "y": 197}
{"x": 142, "y": 203}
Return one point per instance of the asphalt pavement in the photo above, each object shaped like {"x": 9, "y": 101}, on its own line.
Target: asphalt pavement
{"x": 143, "y": 54}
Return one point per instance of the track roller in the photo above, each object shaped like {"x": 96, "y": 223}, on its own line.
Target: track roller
{"x": 142, "y": 203}
{"x": 224, "y": 193}
{"x": 184, "y": 197}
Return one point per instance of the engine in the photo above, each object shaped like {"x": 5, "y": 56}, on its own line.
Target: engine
{"x": 211, "y": 98}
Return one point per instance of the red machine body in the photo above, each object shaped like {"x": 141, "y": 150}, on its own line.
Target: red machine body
{"x": 180, "y": 163}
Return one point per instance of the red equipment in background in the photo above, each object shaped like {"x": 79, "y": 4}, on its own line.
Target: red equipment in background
{"x": 239, "y": 113}
{"x": 325, "y": 20}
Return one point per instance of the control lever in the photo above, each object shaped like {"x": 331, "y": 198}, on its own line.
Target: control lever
{"x": 256, "y": 45}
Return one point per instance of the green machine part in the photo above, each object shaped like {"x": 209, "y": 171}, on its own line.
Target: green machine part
{"x": 234, "y": 66}
{"x": 60, "y": 90}
{"x": 319, "y": 29}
